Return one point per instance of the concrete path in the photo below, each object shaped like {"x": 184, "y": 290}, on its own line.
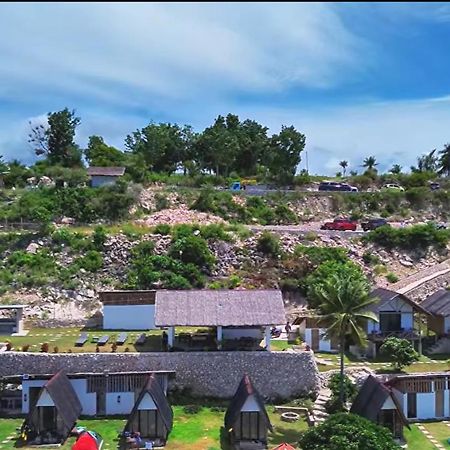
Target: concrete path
{"x": 430, "y": 437}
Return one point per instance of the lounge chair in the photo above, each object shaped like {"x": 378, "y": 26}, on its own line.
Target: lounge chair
{"x": 103, "y": 340}
{"x": 141, "y": 339}
{"x": 121, "y": 338}
{"x": 82, "y": 339}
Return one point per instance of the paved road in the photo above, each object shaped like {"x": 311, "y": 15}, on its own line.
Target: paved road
{"x": 306, "y": 228}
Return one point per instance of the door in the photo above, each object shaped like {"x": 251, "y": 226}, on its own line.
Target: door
{"x": 101, "y": 403}
{"x": 439, "y": 403}
{"x": 315, "y": 337}
{"x": 412, "y": 405}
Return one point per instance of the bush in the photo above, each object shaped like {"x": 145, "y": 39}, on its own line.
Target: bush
{"x": 319, "y": 255}
{"x": 215, "y": 232}
{"x": 25, "y": 347}
{"x": 92, "y": 261}
{"x": 192, "y": 409}
{"x": 335, "y": 387}
{"x": 161, "y": 202}
{"x": 44, "y": 347}
{"x": 99, "y": 237}
{"x": 401, "y": 351}
{"x": 370, "y": 259}
{"x": 391, "y": 277}
{"x": 194, "y": 250}
{"x": 162, "y": 229}
{"x": 347, "y": 431}
{"x": 268, "y": 244}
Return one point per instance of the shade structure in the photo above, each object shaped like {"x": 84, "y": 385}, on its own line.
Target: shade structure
{"x": 88, "y": 440}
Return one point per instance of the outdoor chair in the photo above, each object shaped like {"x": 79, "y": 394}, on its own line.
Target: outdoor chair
{"x": 103, "y": 340}
{"x": 141, "y": 339}
{"x": 82, "y": 339}
{"x": 121, "y": 339}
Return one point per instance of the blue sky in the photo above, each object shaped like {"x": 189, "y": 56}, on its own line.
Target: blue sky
{"x": 356, "y": 78}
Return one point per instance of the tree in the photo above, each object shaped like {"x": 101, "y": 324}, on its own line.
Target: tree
{"x": 100, "y": 154}
{"x": 426, "y": 163}
{"x": 344, "y": 165}
{"x": 163, "y": 146}
{"x": 343, "y": 301}
{"x": 370, "y": 163}
{"x": 55, "y": 140}
{"x": 401, "y": 351}
{"x": 17, "y": 174}
{"x": 396, "y": 169}
{"x": 444, "y": 160}
{"x": 284, "y": 154}
{"x": 348, "y": 431}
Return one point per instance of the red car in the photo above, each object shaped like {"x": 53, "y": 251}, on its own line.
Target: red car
{"x": 340, "y": 225}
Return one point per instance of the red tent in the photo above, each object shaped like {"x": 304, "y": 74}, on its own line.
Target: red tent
{"x": 284, "y": 446}
{"x": 88, "y": 440}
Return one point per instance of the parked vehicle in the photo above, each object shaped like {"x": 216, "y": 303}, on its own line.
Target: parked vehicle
{"x": 340, "y": 225}
{"x": 372, "y": 224}
{"x": 393, "y": 186}
{"x": 336, "y": 186}
{"x": 434, "y": 186}
{"x": 438, "y": 226}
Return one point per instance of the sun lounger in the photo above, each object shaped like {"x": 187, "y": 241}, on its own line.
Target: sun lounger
{"x": 82, "y": 339}
{"x": 121, "y": 338}
{"x": 141, "y": 339}
{"x": 103, "y": 340}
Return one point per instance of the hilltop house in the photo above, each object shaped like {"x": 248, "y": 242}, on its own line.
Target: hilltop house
{"x": 438, "y": 305}
{"x": 246, "y": 419}
{"x": 54, "y": 410}
{"x": 102, "y": 176}
{"x": 378, "y": 402}
{"x": 152, "y": 415}
{"x": 99, "y": 394}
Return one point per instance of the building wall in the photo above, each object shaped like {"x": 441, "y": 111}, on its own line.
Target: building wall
{"x": 324, "y": 344}
{"x": 129, "y": 317}
{"x": 102, "y": 180}
{"x": 250, "y": 404}
{"x": 124, "y": 406}
{"x": 87, "y": 400}
{"x": 215, "y": 374}
{"x": 426, "y": 405}
{"x": 147, "y": 402}
{"x": 406, "y": 322}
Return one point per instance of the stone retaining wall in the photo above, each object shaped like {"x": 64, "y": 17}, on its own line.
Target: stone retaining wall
{"x": 208, "y": 374}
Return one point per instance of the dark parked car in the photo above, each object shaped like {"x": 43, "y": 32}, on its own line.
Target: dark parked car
{"x": 340, "y": 225}
{"x": 335, "y": 186}
{"x": 372, "y": 224}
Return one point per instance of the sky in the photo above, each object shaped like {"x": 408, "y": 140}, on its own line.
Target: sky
{"x": 358, "y": 79}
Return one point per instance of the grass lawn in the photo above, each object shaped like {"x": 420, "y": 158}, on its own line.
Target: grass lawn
{"x": 200, "y": 431}
{"x": 439, "y": 431}
{"x": 417, "y": 440}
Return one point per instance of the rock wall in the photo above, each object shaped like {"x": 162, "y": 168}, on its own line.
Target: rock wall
{"x": 208, "y": 374}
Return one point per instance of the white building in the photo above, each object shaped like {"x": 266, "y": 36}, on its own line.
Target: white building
{"x": 128, "y": 310}
{"x": 99, "y": 394}
{"x": 103, "y": 176}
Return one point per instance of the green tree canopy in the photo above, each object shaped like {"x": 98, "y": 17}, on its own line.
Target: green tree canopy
{"x": 401, "y": 351}
{"x": 100, "y": 154}
{"x": 350, "y": 432}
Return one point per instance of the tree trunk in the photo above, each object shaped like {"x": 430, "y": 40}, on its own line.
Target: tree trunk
{"x": 341, "y": 381}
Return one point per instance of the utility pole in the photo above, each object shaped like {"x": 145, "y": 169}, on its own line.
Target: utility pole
{"x": 306, "y": 160}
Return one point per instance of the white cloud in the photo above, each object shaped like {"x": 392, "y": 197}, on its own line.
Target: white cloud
{"x": 132, "y": 52}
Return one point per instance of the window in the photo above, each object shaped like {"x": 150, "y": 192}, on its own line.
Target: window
{"x": 390, "y": 322}
{"x": 412, "y": 405}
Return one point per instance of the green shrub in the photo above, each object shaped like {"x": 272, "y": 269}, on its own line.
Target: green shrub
{"x": 319, "y": 255}
{"x": 268, "y": 244}
{"x": 162, "y": 228}
{"x": 92, "y": 261}
{"x": 192, "y": 249}
{"x": 311, "y": 236}
{"x": 334, "y": 384}
{"x": 391, "y": 277}
{"x": 379, "y": 269}
{"x": 401, "y": 352}
{"x": 215, "y": 232}
{"x": 370, "y": 259}
{"x": 161, "y": 202}
{"x": 99, "y": 237}
{"x": 192, "y": 409}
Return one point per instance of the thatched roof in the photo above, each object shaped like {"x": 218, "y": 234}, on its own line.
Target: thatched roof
{"x": 105, "y": 171}
{"x": 211, "y": 307}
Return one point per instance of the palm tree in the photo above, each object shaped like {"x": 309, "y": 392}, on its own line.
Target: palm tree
{"x": 396, "y": 169}
{"x": 444, "y": 160}
{"x": 344, "y": 306}
{"x": 344, "y": 165}
{"x": 370, "y": 162}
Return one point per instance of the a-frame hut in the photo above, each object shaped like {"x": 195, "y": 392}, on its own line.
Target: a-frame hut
{"x": 246, "y": 419}
{"x": 54, "y": 413}
{"x": 152, "y": 416}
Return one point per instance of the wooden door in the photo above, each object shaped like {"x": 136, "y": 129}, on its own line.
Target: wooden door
{"x": 315, "y": 339}
{"x": 439, "y": 400}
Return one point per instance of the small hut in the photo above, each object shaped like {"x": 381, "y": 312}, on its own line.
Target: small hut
{"x": 152, "y": 416}
{"x": 54, "y": 414}
{"x": 246, "y": 418}
{"x": 377, "y": 402}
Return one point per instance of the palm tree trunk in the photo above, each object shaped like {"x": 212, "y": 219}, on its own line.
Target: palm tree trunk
{"x": 341, "y": 381}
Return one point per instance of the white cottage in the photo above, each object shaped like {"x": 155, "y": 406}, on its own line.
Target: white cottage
{"x": 103, "y": 176}
{"x": 99, "y": 394}
{"x": 128, "y": 310}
